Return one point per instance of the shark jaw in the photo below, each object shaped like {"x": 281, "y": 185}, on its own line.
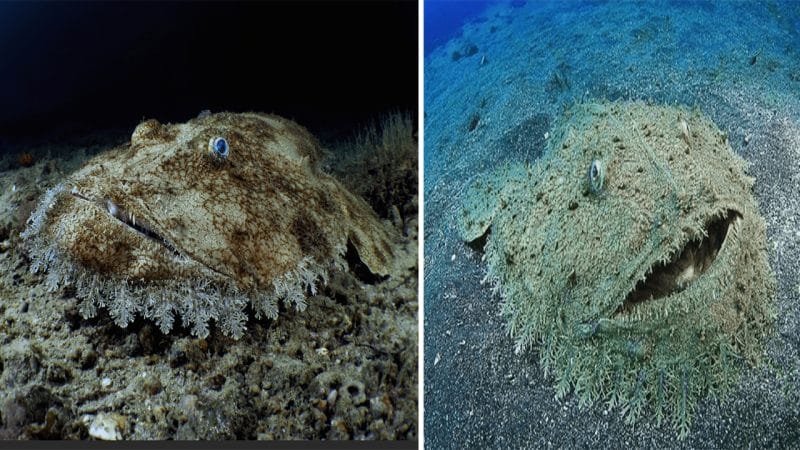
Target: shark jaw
{"x": 137, "y": 225}
{"x": 685, "y": 266}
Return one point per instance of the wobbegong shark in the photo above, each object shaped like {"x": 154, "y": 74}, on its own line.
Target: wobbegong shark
{"x": 632, "y": 254}
{"x": 200, "y": 220}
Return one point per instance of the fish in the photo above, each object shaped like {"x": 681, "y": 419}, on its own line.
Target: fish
{"x": 632, "y": 254}
{"x": 202, "y": 220}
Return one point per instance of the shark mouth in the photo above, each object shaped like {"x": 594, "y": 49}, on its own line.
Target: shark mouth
{"x": 685, "y": 266}
{"x": 140, "y": 226}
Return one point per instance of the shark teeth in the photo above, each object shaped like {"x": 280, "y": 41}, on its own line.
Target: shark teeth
{"x": 676, "y": 271}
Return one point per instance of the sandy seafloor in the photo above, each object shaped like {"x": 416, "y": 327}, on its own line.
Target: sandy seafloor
{"x": 516, "y": 68}
{"x": 345, "y": 368}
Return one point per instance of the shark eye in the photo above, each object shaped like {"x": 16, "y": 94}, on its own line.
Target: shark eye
{"x": 218, "y": 147}
{"x": 596, "y": 176}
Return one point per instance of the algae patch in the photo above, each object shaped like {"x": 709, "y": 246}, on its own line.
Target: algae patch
{"x": 203, "y": 219}
{"x": 634, "y": 254}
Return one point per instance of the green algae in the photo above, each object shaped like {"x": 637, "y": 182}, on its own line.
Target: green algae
{"x": 634, "y": 255}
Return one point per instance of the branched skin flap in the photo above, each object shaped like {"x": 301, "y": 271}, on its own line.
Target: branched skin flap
{"x": 201, "y": 219}
{"x": 634, "y": 256}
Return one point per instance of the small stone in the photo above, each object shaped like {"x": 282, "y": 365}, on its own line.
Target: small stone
{"x": 453, "y": 258}
{"x": 105, "y": 428}
{"x": 332, "y": 395}
{"x": 105, "y": 382}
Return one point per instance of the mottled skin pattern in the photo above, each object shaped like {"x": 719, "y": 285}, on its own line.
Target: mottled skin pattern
{"x": 178, "y": 212}
{"x": 570, "y": 251}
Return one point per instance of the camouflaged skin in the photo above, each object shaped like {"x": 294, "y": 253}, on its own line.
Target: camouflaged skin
{"x": 633, "y": 254}
{"x": 164, "y": 224}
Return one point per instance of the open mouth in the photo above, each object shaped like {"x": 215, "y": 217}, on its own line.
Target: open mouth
{"x": 131, "y": 221}
{"x": 685, "y": 266}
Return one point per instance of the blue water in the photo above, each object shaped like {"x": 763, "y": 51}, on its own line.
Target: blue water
{"x": 497, "y": 76}
{"x": 552, "y": 53}
{"x": 444, "y": 18}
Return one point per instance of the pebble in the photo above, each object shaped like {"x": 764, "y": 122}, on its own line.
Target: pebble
{"x": 332, "y": 395}
{"x": 105, "y": 428}
{"x": 105, "y": 382}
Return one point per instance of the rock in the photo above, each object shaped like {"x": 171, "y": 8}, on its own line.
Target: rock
{"x": 105, "y": 428}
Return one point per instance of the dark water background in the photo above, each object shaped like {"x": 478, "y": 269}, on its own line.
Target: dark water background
{"x": 68, "y": 68}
